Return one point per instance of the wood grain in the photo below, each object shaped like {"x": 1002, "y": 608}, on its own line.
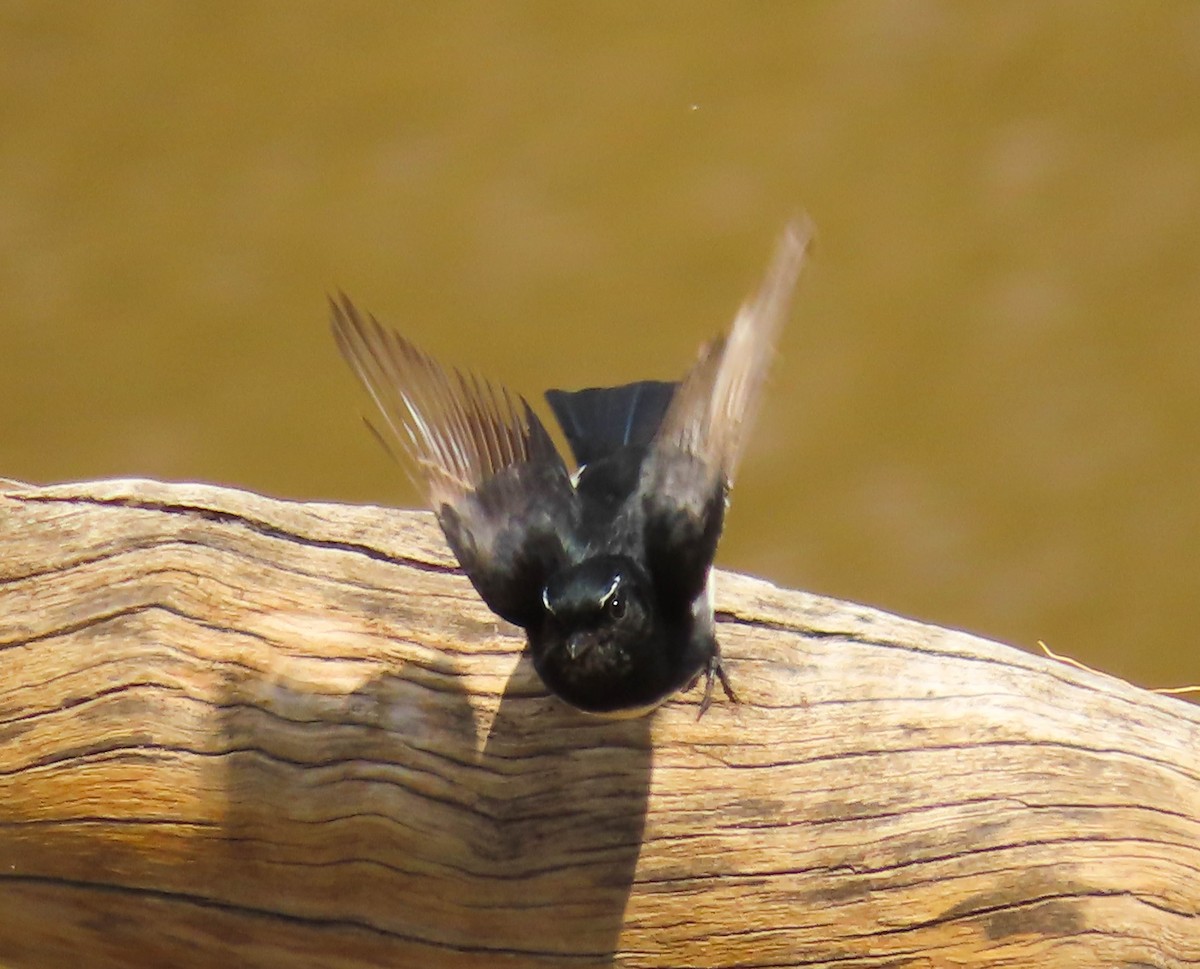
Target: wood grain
{"x": 243, "y": 732}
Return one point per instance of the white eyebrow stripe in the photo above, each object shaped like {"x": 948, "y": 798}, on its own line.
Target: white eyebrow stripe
{"x": 612, "y": 590}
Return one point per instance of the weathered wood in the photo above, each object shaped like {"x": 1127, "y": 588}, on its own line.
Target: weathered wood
{"x": 245, "y": 732}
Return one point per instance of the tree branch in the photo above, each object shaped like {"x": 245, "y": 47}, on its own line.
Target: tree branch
{"x": 259, "y": 733}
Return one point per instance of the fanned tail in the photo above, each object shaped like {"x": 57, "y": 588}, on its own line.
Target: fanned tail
{"x": 599, "y": 420}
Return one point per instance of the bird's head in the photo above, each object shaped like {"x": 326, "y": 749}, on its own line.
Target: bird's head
{"x": 599, "y": 631}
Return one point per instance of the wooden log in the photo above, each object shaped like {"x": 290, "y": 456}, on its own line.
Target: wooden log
{"x": 247, "y": 732}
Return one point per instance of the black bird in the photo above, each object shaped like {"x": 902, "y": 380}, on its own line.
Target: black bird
{"x": 607, "y": 570}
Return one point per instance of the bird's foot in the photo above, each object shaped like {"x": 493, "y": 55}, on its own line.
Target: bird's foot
{"x": 715, "y": 670}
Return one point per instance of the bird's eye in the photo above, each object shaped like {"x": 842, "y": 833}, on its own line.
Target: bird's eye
{"x": 612, "y": 602}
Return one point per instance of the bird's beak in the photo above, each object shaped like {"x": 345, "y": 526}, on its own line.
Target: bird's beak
{"x": 579, "y": 644}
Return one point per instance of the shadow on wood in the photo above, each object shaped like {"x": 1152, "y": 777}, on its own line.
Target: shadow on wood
{"x": 260, "y": 733}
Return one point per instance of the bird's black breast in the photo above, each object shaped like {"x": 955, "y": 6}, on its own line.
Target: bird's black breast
{"x": 611, "y": 431}
{"x": 605, "y": 488}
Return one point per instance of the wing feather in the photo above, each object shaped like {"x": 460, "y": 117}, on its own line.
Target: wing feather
{"x": 456, "y": 429}
{"x": 716, "y": 402}
{"x": 480, "y": 455}
{"x": 686, "y": 477}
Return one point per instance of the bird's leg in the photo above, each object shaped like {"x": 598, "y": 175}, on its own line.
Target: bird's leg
{"x": 715, "y": 670}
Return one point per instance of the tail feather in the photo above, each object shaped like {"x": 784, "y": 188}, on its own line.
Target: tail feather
{"x": 599, "y": 420}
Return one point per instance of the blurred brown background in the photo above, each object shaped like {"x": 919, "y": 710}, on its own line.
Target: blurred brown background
{"x": 984, "y": 414}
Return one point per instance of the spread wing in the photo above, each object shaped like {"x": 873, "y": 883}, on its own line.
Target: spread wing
{"x": 483, "y": 459}
{"x": 686, "y": 478}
